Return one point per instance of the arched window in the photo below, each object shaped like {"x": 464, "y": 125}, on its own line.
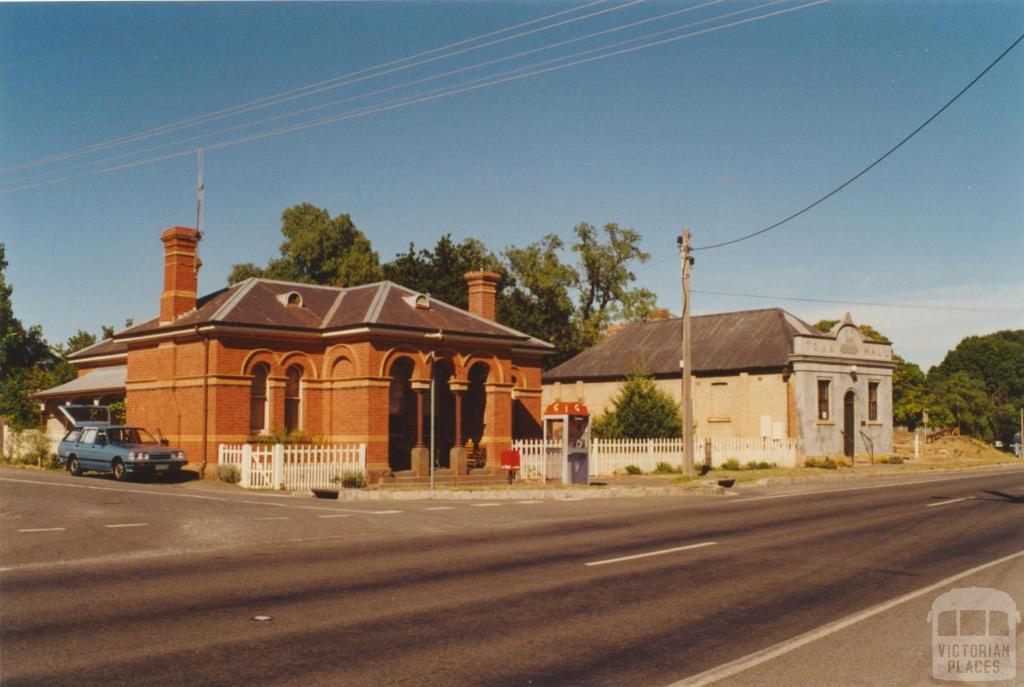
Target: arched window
{"x": 293, "y": 398}
{"x": 258, "y": 398}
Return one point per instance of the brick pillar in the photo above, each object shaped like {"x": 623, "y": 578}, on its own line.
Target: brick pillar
{"x": 181, "y": 273}
{"x": 483, "y": 290}
{"x": 497, "y": 422}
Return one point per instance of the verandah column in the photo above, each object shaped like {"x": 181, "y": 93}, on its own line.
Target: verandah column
{"x": 420, "y": 457}
{"x": 457, "y": 454}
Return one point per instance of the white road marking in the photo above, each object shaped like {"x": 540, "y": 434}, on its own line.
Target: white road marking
{"x": 336, "y": 515}
{"x": 529, "y": 502}
{"x": 280, "y": 517}
{"x": 379, "y": 512}
{"x": 948, "y": 501}
{"x": 484, "y": 505}
{"x": 440, "y": 508}
{"x": 44, "y": 529}
{"x": 651, "y": 553}
{"x": 763, "y": 656}
{"x": 129, "y": 524}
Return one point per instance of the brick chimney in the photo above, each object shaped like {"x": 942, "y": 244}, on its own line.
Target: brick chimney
{"x": 181, "y": 272}
{"x": 483, "y": 292}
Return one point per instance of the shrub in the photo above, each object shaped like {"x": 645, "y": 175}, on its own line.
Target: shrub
{"x": 282, "y": 437}
{"x": 842, "y": 463}
{"x": 352, "y": 479}
{"x": 664, "y": 468}
{"x": 891, "y": 460}
{"x": 823, "y": 463}
{"x": 760, "y": 465}
{"x": 640, "y": 411}
{"x": 633, "y": 470}
{"x": 731, "y": 464}
{"x": 30, "y": 447}
{"x": 229, "y": 473}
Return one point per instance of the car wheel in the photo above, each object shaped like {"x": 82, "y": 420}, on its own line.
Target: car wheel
{"x": 120, "y": 474}
{"x": 74, "y": 467}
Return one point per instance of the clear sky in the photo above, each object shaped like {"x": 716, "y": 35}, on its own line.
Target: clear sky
{"x": 723, "y": 132}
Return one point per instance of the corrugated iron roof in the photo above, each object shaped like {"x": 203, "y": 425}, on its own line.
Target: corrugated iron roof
{"x": 722, "y": 342}
{"x": 101, "y": 379}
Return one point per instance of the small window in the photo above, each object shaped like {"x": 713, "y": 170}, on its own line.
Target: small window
{"x": 873, "y": 401}
{"x": 293, "y": 398}
{"x": 89, "y": 436}
{"x": 719, "y": 400}
{"x": 823, "y": 403}
{"x": 258, "y": 399}
{"x": 73, "y": 435}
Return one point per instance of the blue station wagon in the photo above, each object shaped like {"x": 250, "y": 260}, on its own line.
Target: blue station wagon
{"x": 118, "y": 449}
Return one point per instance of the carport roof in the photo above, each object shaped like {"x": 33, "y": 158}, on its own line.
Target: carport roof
{"x": 102, "y": 379}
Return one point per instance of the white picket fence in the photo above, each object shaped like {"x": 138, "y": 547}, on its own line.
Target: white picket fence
{"x": 18, "y": 444}
{"x": 293, "y": 466}
{"x": 608, "y": 455}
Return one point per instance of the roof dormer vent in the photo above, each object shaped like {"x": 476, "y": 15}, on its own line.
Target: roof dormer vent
{"x": 293, "y": 299}
{"x": 420, "y": 301}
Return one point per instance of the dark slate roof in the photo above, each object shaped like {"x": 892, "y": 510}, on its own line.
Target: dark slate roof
{"x": 258, "y": 303}
{"x": 101, "y": 348}
{"x": 723, "y": 342}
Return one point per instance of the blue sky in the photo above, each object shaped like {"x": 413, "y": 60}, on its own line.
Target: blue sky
{"x": 724, "y": 132}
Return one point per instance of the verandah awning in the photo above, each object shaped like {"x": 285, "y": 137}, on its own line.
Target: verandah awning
{"x": 101, "y": 380}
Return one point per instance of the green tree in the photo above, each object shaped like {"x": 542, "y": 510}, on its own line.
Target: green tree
{"x": 909, "y": 393}
{"x": 640, "y": 410}
{"x": 317, "y": 250}
{"x": 960, "y": 400}
{"x": 539, "y": 302}
{"x": 603, "y": 279}
{"x": 26, "y": 361}
{"x": 440, "y": 271}
{"x": 79, "y": 340}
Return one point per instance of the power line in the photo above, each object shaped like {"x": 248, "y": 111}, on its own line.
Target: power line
{"x": 872, "y": 304}
{"x": 873, "y": 164}
{"x": 452, "y": 90}
{"x": 435, "y": 77}
{"x": 318, "y": 87}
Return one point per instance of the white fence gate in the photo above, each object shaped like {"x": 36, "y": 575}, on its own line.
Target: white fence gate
{"x": 293, "y": 466}
{"x": 19, "y": 444}
{"x": 608, "y": 455}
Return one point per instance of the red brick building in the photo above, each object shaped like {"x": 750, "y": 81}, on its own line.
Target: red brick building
{"x": 344, "y": 364}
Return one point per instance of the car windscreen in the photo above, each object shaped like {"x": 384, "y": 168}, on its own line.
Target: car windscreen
{"x": 129, "y": 435}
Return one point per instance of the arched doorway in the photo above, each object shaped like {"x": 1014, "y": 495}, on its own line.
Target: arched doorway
{"x": 444, "y": 422}
{"x": 473, "y": 408}
{"x": 849, "y": 426}
{"x": 401, "y": 416}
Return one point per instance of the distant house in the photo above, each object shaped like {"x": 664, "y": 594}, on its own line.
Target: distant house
{"x": 756, "y": 373}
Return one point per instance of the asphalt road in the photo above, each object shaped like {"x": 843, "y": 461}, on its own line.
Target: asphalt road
{"x": 104, "y": 583}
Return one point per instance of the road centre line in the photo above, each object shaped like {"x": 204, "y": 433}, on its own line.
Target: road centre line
{"x": 764, "y": 655}
{"x": 948, "y": 501}
{"x": 379, "y": 512}
{"x": 484, "y": 505}
{"x": 337, "y": 515}
{"x": 529, "y": 502}
{"x": 43, "y": 529}
{"x": 440, "y": 508}
{"x": 129, "y": 524}
{"x": 279, "y": 517}
{"x": 651, "y": 553}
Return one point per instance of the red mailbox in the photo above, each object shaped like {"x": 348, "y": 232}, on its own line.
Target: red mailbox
{"x": 510, "y": 460}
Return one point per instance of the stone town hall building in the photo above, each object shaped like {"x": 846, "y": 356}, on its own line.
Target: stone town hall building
{"x": 345, "y": 364}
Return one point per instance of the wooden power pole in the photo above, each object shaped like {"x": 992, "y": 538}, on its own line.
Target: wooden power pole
{"x": 686, "y": 362}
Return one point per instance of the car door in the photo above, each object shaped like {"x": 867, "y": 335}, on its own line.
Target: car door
{"x": 85, "y": 449}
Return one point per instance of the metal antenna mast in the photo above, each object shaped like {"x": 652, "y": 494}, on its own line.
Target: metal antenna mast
{"x": 200, "y": 188}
